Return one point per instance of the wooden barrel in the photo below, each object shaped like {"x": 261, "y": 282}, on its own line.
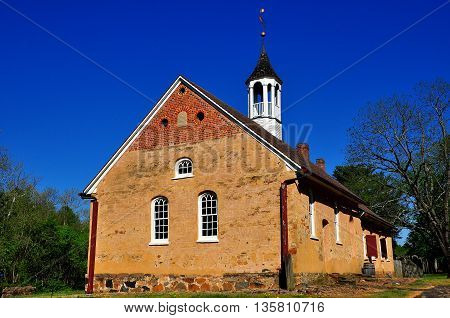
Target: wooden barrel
{"x": 368, "y": 270}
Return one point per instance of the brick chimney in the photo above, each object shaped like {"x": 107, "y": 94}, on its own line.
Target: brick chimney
{"x": 320, "y": 163}
{"x": 303, "y": 151}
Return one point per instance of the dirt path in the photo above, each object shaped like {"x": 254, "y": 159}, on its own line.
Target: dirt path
{"x": 436, "y": 292}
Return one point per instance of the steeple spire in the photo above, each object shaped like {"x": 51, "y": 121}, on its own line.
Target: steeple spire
{"x": 263, "y": 68}
{"x": 264, "y": 91}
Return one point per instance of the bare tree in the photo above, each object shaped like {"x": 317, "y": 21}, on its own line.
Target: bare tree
{"x": 406, "y": 138}
{"x": 71, "y": 199}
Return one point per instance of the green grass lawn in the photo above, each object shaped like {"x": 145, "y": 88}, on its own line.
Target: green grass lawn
{"x": 391, "y": 293}
{"x": 423, "y": 283}
{"x": 433, "y": 279}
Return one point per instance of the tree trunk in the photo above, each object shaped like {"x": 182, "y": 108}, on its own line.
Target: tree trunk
{"x": 448, "y": 266}
{"x": 448, "y": 262}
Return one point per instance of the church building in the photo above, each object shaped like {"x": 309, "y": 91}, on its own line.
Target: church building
{"x": 201, "y": 197}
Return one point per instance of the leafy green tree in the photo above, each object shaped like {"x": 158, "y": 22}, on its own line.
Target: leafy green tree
{"x": 42, "y": 242}
{"x": 376, "y": 190}
{"x": 423, "y": 244}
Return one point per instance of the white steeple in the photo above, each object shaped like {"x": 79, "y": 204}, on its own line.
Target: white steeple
{"x": 264, "y": 96}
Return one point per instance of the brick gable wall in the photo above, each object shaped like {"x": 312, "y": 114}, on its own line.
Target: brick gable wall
{"x": 214, "y": 125}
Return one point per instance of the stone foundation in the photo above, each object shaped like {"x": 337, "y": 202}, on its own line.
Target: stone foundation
{"x": 251, "y": 282}
{"x": 180, "y": 283}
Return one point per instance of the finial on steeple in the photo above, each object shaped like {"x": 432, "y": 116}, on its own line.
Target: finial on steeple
{"x": 263, "y": 25}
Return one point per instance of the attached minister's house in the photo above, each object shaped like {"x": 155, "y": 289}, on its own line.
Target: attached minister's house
{"x": 203, "y": 198}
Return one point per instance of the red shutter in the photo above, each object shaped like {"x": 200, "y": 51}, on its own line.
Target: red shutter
{"x": 371, "y": 242}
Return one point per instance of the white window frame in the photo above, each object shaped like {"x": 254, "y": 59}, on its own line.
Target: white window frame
{"x": 201, "y": 238}
{"x": 337, "y": 225}
{"x": 312, "y": 216}
{"x": 153, "y": 239}
{"x": 183, "y": 175}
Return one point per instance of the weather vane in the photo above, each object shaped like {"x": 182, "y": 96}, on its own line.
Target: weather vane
{"x": 261, "y": 20}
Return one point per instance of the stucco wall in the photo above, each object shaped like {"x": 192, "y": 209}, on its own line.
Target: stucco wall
{"x": 246, "y": 178}
{"x": 323, "y": 254}
{"x": 248, "y": 206}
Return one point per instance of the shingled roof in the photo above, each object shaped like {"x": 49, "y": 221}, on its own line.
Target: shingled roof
{"x": 263, "y": 69}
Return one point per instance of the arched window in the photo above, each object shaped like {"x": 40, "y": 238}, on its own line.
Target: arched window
{"x": 207, "y": 217}
{"x": 258, "y": 92}
{"x": 258, "y": 103}
{"x": 276, "y": 97}
{"x": 160, "y": 221}
{"x": 183, "y": 168}
{"x": 269, "y": 93}
{"x": 270, "y": 99}
{"x": 182, "y": 119}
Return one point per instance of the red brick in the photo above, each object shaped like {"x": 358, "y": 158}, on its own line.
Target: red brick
{"x": 214, "y": 125}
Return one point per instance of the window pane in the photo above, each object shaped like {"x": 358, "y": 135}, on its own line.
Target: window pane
{"x": 185, "y": 167}
{"x": 161, "y": 218}
{"x": 209, "y": 214}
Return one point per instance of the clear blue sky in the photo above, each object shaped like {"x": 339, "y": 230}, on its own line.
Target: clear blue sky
{"x": 63, "y": 117}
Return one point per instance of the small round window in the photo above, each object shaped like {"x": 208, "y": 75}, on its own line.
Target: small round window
{"x": 200, "y": 116}
{"x": 164, "y": 122}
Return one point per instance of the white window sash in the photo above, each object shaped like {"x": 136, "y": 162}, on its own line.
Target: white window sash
{"x": 201, "y": 238}
{"x": 179, "y": 175}
{"x": 153, "y": 239}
